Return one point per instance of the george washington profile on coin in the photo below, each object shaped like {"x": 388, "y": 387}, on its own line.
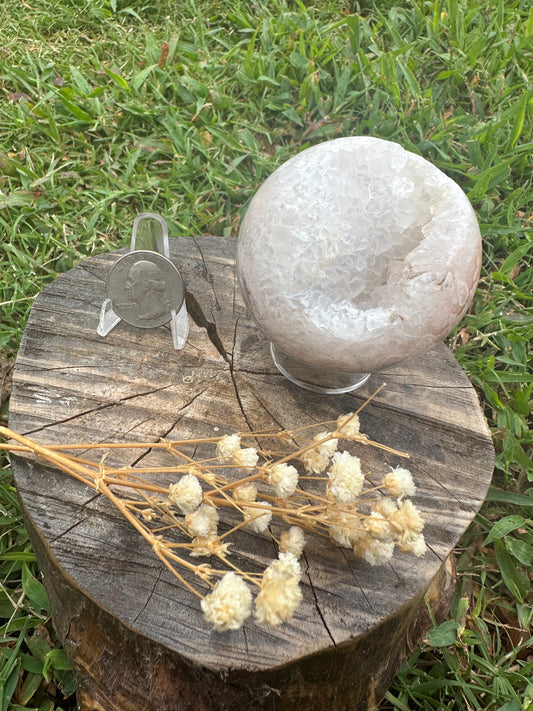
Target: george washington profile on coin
{"x": 144, "y": 288}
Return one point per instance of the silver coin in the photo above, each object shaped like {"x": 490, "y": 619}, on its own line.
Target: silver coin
{"x": 144, "y": 288}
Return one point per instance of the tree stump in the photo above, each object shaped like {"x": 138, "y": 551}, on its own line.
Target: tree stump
{"x": 136, "y": 637}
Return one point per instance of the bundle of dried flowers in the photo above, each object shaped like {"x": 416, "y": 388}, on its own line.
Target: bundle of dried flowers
{"x": 372, "y": 521}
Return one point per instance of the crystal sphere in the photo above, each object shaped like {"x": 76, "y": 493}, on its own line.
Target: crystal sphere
{"x": 356, "y": 255}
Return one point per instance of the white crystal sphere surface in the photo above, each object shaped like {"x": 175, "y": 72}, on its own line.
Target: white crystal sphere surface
{"x": 357, "y": 254}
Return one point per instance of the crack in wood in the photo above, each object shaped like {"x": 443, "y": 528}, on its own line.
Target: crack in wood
{"x": 267, "y": 373}
{"x": 235, "y": 290}
{"x": 452, "y": 495}
{"x": 245, "y": 641}
{"x": 124, "y": 433}
{"x": 274, "y": 418}
{"x": 426, "y": 419}
{"x": 272, "y": 415}
{"x": 96, "y": 274}
{"x": 234, "y": 381}
{"x": 356, "y": 580}
{"x": 169, "y": 429}
{"x": 426, "y": 386}
{"x": 439, "y": 557}
{"x": 205, "y": 270}
{"x": 200, "y": 319}
{"x": 90, "y": 500}
{"x": 150, "y": 596}
{"x": 24, "y": 368}
{"x": 98, "y": 408}
{"x": 399, "y": 578}
{"x": 319, "y": 611}
{"x": 70, "y": 528}
{"x": 207, "y": 273}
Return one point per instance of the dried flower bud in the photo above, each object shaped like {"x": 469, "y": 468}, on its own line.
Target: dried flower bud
{"x": 349, "y": 424}
{"x": 314, "y": 462}
{"x": 209, "y": 545}
{"x": 345, "y": 528}
{"x": 149, "y": 514}
{"x": 280, "y": 593}
{"x": 257, "y": 518}
{"x": 407, "y": 521}
{"x": 229, "y": 604}
{"x": 283, "y": 478}
{"x": 227, "y": 446}
{"x": 326, "y": 449}
{"x": 414, "y": 544}
{"x": 377, "y": 526}
{"x": 399, "y": 482}
{"x": 246, "y": 492}
{"x": 186, "y": 494}
{"x": 292, "y": 541}
{"x": 245, "y": 457}
{"x": 345, "y": 477}
{"x": 378, "y": 552}
{"x": 202, "y": 522}
{"x": 385, "y": 506}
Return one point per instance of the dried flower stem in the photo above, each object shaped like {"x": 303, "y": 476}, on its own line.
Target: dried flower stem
{"x": 341, "y": 510}
{"x": 98, "y": 482}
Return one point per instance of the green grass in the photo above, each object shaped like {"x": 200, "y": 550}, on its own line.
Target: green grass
{"x": 98, "y": 121}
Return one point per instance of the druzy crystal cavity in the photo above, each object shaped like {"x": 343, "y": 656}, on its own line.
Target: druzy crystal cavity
{"x": 356, "y": 255}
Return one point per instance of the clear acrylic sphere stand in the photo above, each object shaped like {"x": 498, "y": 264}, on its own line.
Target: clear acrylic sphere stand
{"x": 315, "y": 379}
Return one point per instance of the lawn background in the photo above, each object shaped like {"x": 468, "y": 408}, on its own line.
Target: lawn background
{"x": 112, "y": 107}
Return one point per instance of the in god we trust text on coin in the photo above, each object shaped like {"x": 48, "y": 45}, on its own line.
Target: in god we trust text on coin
{"x": 144, "y": 288}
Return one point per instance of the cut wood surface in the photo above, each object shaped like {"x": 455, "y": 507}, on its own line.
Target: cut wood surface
{"x": 121, "y": 615}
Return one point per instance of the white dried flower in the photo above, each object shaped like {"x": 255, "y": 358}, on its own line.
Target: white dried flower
{"x": 314, "y": 462}
{"x": 407, "y": 521}
{"x": 345, "y": 477}
{"x": 229, "y": 604}
{"x": 245, "y": 457}
{"x": 378, "y": 552}
{"x": 283, "y": 478}
{"x": 186, "y": 494}
{"x": 280, "y": 593}
{"x": 399, "y": 482}
{"x": 227, "y": 446}
{"x": 326, "y": 449}
{"x": 246, "y": 492}
{"x": 345, "y": 528}
{"x": 414, "y": 544}
{"x": 257, "y": 518}
{"x": 202, "y": 522}
{"x": 292, "y": 541}
{"x": 377, "y": 526}
{"x": 385, "y": 506}
{"x": 349, "y": 424}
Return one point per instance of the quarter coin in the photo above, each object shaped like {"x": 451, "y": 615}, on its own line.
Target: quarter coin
{"x": 144, "y": 288}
